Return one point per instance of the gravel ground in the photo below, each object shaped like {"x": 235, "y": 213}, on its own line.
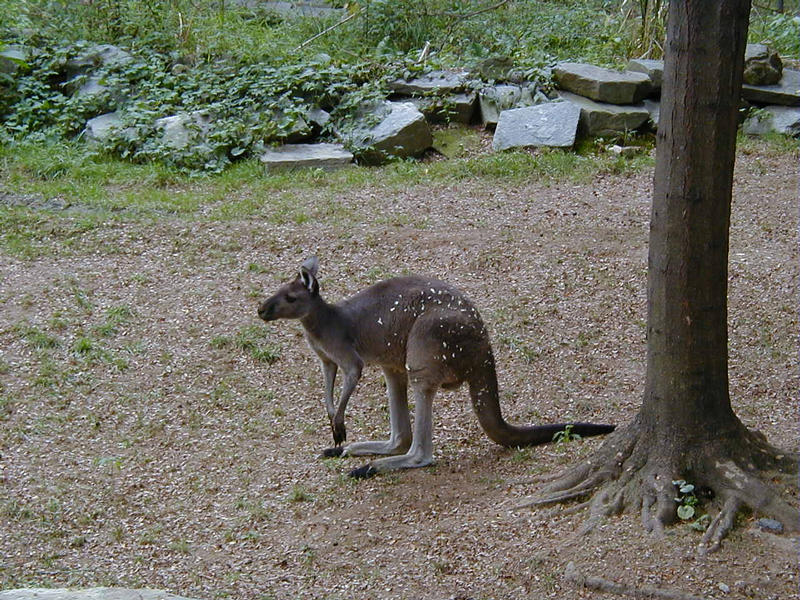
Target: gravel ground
{"x": 153, "y": 433}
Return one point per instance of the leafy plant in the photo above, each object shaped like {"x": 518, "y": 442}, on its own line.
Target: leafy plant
{"x": 566, "y": 435}
{"x": 688, "y": 504}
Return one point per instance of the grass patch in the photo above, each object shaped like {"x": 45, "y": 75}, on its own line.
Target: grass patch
{"x": 252, "y": 340}
{"x": 36, "y": 338}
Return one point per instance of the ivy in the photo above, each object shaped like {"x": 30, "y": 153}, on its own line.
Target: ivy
{"x": 250, "y": 106}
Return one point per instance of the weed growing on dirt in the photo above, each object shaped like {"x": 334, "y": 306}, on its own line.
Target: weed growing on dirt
{"x": 252, "y": 340}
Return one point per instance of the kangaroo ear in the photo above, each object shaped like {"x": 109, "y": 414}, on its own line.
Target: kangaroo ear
{"x": 308, "y": 274}
{"x": 310, "y": 265}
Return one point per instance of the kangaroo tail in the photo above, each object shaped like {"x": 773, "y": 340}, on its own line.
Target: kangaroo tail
{"x": 486, "y": 404}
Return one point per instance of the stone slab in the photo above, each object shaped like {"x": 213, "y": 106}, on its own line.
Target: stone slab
{"x": 554, "y": 124}
{"x": 602, "y": 118}
{"x": 654, "y": 108}
{"x": 435, "y": 82}
{"x": 494, "y": 100}
{"x": 786, "y": 92}
{"x": 457, "y": 108}
{"x": 102, "y": 593}
{"x": 402, "y": 132}
{"x": 602, "y": 85}
{"x": 654, "y": 69}
{"x": 307, "y": 156}
{"x": 774, "y": 119}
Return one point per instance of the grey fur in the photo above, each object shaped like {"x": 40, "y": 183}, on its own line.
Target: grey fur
{"x": 424, "y": 334}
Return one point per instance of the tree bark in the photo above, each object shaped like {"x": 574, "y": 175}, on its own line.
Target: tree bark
{"x": 686, "y": 428}
{"x": 687, "y": 359}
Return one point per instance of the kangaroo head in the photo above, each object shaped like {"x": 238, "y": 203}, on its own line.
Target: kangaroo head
{"x": 295, "y": 299}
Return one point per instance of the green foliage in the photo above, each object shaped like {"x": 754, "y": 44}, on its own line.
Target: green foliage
{"x": 779, "y": 30}
{"x": 248, "y": 106}
{"x": 566, "y": 436}
{"x": 688, "y": 504}
{"x": 244, "y": 78}
{"x": 252, "y": 340}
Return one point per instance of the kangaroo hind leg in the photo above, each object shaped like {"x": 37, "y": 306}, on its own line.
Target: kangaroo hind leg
{"x": 399, "y": 420}
{"x": 420, "y": 454}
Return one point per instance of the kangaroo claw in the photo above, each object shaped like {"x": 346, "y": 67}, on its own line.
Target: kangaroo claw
{"x": 364, "y": 472}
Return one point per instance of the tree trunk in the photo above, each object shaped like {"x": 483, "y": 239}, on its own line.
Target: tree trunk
{"x": 686, "y": 428}
{"x": 687, "y": 351}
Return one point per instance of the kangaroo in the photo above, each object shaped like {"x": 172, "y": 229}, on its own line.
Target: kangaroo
{"x": 422, "y": 332}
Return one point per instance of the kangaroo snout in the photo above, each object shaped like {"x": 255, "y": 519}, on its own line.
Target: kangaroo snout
{"x": 267, "y": 311}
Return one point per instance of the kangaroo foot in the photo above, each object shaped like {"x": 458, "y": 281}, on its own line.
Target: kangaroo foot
{"x": 339, "y": 433}
{"x": 364, "y": 472}
{"x": 332, "y": 452}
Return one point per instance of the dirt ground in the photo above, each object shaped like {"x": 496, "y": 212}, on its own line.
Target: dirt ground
{"x": 154, "y": 433}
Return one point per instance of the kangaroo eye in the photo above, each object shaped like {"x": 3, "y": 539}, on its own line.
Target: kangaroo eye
{"x": 290, "y": 298}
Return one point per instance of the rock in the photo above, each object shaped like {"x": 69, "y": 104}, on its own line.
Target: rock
{"x": 773, "y": 119}
{"x": 293, "y": 129}
{"x": 96, "y": 56}
{"x": 458, "y": 108}
{"x": 554, "y": 124}
{"x": 92, "y": 87}
{"x": 315, "y": 156}
{"x": 654, "y": 109}
{"x": 602, "y": 85}
{"x": 99, "y": 129}
{"x": 724, "y": 588}
{"x": 177, "y": 131}
{"x": 11, "y": 59}
{"x": 770, "y": 525}
{"x": 402, "y": 131}
{"x": 494, "y": 100}
{"x": 786, "y": 92}
{"x": 601, "y": 118}
{"x": 625, "y": 151}
{"x": 87, "y": 594}
{"x": 318, "y": 118}
{"x": 762, "y": 65}
{"x": 494, "y": 68}
{"x": 301, "y": 8}
{"x": 435, "y": 82}
{"x": 654, "y": 69}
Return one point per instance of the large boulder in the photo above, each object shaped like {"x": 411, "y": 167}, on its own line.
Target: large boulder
{"x": 602, "y": 118}
{"x": 786, "y": 92}
{"x": 602, "y": 85}
{"x": 554, "y": 124}
{"x": 773, "y": 119}
{"x": 402, "y": 131}
{"x": 762, "y": 65}
{"x": 314, "y": 156}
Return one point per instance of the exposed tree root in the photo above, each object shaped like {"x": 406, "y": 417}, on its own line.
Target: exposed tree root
{"x": 632, "y": 472}
{"x": 572, "y": 575}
